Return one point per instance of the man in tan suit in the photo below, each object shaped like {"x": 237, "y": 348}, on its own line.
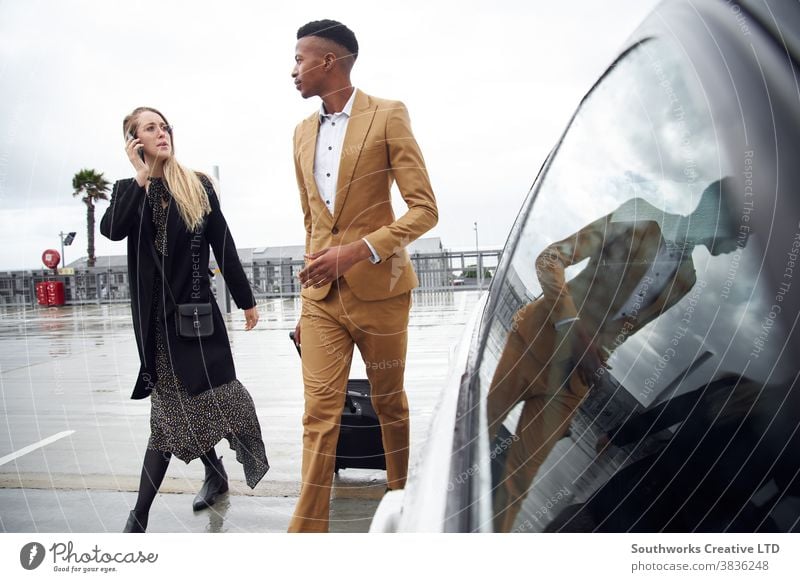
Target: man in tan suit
{"x": 358, "y": 277}
{"x": 640, "y": 265}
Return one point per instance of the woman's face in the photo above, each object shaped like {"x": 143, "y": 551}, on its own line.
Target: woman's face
{"x": 155, "y": 135}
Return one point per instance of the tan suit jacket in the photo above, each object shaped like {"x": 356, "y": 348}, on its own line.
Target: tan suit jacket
{"x": 537, "y": 360}
{"x": 537, "y": 363}
{"x": 620, "y": 253}
{"x": 378, "y": 150}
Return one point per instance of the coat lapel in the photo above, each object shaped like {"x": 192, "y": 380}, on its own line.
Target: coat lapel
{"x": 144, "y": 269}
{"x": 361, "y": 117}
{"x": 176, "y": 230}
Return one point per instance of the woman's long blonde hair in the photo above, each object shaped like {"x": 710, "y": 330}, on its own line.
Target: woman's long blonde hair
{"x": 184, "y": 184}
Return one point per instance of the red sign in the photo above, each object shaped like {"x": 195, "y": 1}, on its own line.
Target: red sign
{"x": 51, "y": 258}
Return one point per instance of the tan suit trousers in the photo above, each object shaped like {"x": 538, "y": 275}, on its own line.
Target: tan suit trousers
{"x": 329, "y": 329}
{"x": 551, "y": 394}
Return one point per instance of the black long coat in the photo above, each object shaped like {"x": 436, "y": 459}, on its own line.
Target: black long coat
{"x": 199, "y": 363}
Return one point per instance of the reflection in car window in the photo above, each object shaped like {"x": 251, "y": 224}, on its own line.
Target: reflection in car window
{"x": 620, "y": 344}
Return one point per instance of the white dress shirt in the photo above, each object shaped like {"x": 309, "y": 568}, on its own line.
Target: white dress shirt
{"x": 660, "y": 274}
{"x": 654, "y": 282}
{"x": 328, "y": 153}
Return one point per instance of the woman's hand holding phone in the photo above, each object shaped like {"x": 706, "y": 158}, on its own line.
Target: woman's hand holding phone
{"x": 135, "y": 151}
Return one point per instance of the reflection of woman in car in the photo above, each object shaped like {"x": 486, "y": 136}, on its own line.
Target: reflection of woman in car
{"x": 640, "y": 264}
{"x": 170, "y": 216}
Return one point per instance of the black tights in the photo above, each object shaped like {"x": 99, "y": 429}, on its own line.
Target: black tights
{"x": 153, "y": 471}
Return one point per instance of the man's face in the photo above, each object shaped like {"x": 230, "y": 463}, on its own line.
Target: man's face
{"x": 308, "y": 72}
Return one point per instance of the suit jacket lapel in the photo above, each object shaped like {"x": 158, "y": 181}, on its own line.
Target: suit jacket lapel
{"x": 308, "y": 148}
{"x": 361, "y": 117}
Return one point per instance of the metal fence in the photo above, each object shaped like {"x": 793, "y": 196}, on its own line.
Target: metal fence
{"x": 268, "y": 278}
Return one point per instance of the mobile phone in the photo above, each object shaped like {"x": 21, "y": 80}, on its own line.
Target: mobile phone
{"x": 141, "y": 149}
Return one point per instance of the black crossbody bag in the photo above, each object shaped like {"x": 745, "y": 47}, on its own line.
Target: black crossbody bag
{"x": 192, "y": 320}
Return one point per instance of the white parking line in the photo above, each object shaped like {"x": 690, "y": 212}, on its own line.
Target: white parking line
{"x": 33, "y": 447}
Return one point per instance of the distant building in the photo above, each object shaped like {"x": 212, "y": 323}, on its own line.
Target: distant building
{"x": 272, "y": 272}
{"x": 430, "y": 262}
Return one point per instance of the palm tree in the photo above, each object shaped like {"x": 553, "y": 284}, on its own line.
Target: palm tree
{"x": 92, "y": 186}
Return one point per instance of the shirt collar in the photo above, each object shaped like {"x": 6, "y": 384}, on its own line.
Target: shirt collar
{"x": 348, "y": 107}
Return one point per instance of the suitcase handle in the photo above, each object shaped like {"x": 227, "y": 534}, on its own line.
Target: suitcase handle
{"x": 294, "y": 343}
{"x": 351, "y": 404}
{"x": 354, "y": 408}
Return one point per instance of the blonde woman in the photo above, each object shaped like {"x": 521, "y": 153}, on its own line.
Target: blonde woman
{"x": 170, "y": 216}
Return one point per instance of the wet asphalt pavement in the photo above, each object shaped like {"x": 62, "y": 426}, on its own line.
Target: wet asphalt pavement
{"x": 72, "y": 440}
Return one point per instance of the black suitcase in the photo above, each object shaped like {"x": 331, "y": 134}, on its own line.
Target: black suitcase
{"x": 360, "y": 443}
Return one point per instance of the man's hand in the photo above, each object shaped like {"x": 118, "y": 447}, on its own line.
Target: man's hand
{"x": 330, "y": 263}
{"x": 576, "y": 353}
{"x": 586, "y": 352}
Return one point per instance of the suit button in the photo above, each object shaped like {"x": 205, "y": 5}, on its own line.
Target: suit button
{"x": 335, "y": 230}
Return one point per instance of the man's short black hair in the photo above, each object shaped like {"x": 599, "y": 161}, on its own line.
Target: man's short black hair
{"x": 332, "y": 30}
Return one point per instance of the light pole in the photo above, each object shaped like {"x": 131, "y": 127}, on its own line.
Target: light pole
{"x": 478, "y": 258}
{"x": 66, "y": 240}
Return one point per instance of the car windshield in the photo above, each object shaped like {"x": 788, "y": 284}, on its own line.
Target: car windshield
{"x": 633, "y": 371}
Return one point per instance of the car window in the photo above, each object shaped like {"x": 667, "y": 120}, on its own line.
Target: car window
{"x": 634, "y": 311}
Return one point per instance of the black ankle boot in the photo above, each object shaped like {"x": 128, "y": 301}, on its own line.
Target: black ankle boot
{"x": 216, "y": 484}
{"x": 135, "y": 524}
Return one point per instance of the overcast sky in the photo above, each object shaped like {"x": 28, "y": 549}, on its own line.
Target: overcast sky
{"x": 489, "y": 86}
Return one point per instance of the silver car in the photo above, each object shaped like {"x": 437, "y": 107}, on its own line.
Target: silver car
{"x": 634, "y": 364}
